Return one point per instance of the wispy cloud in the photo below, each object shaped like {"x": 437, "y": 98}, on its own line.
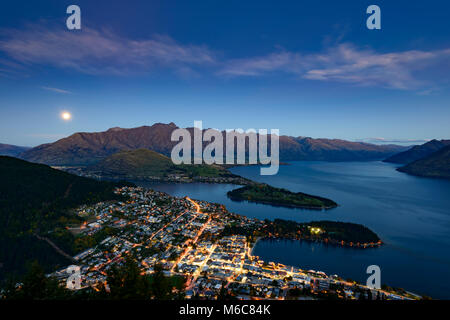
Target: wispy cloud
{"x": 257, "y": 66}
{"x": 105, "y": 52}
{"x": 56, "y": 90}
{"x": 347, "y": 63}
{"x": 98, "y": 52}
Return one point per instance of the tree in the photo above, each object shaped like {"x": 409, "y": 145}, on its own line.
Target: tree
{"x": 160, "y": 286}
{"x": 36, "y": 286}
{"x": 165, "y": 288}
{"x": 127, "y": 283}
{"x": 224, "y": 294}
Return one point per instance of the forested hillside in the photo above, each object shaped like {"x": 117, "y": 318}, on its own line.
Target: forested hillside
{"x": 36, "y": 200}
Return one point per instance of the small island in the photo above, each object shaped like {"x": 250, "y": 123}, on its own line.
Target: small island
{"x": 265, "y": 194}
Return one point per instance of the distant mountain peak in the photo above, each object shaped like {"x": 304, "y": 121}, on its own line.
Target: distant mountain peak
{"x": 115, "y": 129}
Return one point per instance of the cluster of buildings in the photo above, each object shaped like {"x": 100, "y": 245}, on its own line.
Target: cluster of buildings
{"x": 189, "y": 238}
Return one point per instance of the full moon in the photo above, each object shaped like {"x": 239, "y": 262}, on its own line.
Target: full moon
{"x": 66, "y": 116}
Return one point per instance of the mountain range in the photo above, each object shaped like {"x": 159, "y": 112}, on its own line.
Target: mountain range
{"x": 10, "y": 150}
{"x": 418, "y": 152}
{"x": 436, "y": 165}
{"x": 85, "y": 148}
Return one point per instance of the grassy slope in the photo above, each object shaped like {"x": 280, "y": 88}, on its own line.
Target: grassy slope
{"x": 136, "y": 162}
{"x": 144, "y": 162}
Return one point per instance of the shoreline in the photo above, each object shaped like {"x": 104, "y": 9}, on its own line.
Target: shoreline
{"x": 254, "y": 245}
{"x": 341, "y": 244}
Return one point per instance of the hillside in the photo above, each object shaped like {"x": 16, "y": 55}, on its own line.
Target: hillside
{"x": 437, "y": 165}
{"x": 34, "y": 200}
{"x": 10, "y": 150}
{"x": 144, "y": 163}
{"x": 89, "y": 148}
{"x": 418, "y": 152}
{"x": 136, "y": 162}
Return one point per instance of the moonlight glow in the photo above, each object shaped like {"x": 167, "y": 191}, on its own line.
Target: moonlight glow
{"x": 66, "y": 116}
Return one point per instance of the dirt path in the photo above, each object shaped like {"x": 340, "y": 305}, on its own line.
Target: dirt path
{"x": 66, "y": 194}
{"x": 54, "y": 246}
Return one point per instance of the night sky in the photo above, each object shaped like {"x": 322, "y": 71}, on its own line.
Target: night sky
{"x": 308, "y": 68}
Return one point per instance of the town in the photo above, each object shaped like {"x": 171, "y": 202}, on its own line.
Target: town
{"x": 192, "y": 239}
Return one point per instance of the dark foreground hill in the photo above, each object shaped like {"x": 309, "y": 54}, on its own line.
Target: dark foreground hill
{"x": 418, "y": 152}
{"x": 10, "y": 150}
{"x": 436, "y": 165}
{"x": 34, "y": 203}
{"x": 89, "y": 148}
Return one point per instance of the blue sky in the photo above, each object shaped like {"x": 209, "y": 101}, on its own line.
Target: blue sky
{"x": 308, "y": 68}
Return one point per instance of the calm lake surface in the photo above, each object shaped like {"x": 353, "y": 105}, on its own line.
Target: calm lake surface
{"x": 410, "y": 214}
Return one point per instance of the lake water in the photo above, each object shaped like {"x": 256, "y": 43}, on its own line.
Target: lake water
{"x": 410, "y": 214}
